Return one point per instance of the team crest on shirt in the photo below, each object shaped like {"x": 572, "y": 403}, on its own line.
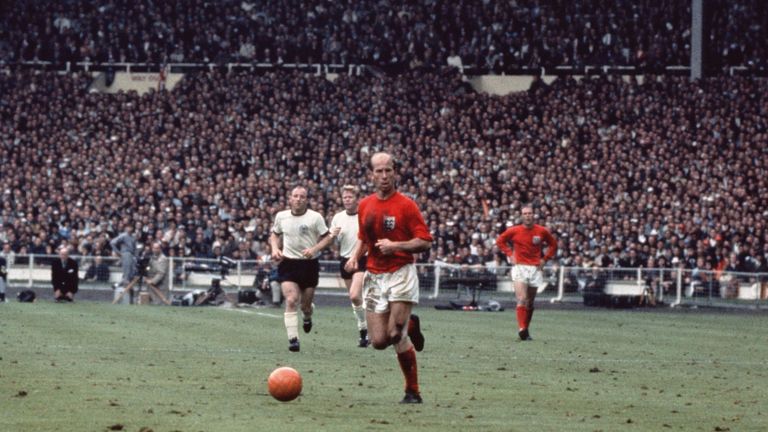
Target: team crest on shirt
{"x": 536, "y": 240}
{"x": 304, "y": 229}
{"x": 389, "y": 223}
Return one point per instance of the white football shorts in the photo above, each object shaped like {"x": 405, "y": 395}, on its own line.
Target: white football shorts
{"x": 382, "y": 288}
{"x": 529, "y": 275}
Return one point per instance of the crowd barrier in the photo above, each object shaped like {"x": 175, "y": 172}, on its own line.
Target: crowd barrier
{"x": 611, "y": 287}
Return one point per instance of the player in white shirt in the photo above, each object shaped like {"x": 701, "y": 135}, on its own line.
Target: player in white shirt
{"x": 344, "y": 227}
{"x": 304, "y": 234}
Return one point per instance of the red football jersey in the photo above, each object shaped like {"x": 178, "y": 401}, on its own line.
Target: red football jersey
{"x": 396, "y": 218}
{"x": 527, "y": 244}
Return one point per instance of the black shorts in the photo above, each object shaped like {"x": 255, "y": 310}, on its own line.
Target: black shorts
{"x": 303, "y": 272}
{"x": 360, "y": 266}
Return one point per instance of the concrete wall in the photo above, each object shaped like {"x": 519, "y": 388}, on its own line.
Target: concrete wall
{"x": 131, "y": 81}
{"x": 143, "y": 82}
{"x": 501, "y": 85}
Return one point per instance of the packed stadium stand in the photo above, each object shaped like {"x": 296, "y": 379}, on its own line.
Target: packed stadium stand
{"x": 668, "y": 168}
{"x": 497, "y": 36}
{"x": 655, "y": 170}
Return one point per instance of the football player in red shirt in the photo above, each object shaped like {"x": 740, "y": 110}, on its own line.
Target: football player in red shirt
{"x": 527, "y": 240}
{"x": 392, "y": 229}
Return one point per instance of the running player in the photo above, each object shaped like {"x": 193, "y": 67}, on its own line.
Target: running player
{"x": 345, "y": 227}
{"x": 392, "y": 229}
{"x": 304, "y": 234}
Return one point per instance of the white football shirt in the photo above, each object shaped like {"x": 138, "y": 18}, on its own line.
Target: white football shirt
{"x": 299, "y": 232}
{"x": 348, "y": 234}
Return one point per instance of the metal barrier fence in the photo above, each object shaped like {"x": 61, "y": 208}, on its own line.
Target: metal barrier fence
{"x": 594, "y": 286}
{"x": 662, "y": 286}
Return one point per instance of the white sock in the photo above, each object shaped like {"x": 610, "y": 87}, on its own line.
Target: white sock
{"x": 291, "y": 320}
{"x": 360, "y": 315}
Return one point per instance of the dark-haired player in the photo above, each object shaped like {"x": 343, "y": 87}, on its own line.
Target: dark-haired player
{"x": 527, "y": 240}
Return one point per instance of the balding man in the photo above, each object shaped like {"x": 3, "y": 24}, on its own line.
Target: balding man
{"x": 298, "y": 236}
{"x": 64, "y": 277}
{"x": 392, "y": 230}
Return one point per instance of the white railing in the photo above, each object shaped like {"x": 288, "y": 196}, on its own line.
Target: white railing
{"x": 349, "y": 69}
{"x": 67, "y": 67}
{"x": 672, "y": 287}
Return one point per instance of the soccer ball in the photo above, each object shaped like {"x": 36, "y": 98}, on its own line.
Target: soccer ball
{"x": 284, "y": 384}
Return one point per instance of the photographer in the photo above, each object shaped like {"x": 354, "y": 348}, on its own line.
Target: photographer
{"x": 124, "y": 245}
{"x": 156, "y": 271}
{"x": 3, "y": 278}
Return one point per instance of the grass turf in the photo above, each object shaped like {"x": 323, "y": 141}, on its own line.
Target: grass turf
{"x": 95, "y": 367}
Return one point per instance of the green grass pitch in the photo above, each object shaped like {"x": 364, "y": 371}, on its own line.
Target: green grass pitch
{"x": 92, "y": 366}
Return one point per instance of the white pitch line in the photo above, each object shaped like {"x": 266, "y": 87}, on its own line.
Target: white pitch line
{"x": 254, "y": 313}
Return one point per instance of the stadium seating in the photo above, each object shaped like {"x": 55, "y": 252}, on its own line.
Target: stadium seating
{"x": 496, "y": 36}
{"x": 652, "y": 171}
{"x": 667, "y": 168}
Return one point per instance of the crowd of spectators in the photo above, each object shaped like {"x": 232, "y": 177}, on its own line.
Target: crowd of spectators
{"x": 738, "y": 33}
{"x": 489, "y": 35}
{"x": 656, "y": 173}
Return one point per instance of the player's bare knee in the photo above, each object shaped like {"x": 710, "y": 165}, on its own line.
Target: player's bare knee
{"x": 379, "y": 344}
{"x": 291, "y": 302}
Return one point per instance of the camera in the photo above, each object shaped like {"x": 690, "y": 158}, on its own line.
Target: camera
{"x": 227, "y": 262}
{"x": 142, "y": 264}
{"x": 222, "y": 266}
